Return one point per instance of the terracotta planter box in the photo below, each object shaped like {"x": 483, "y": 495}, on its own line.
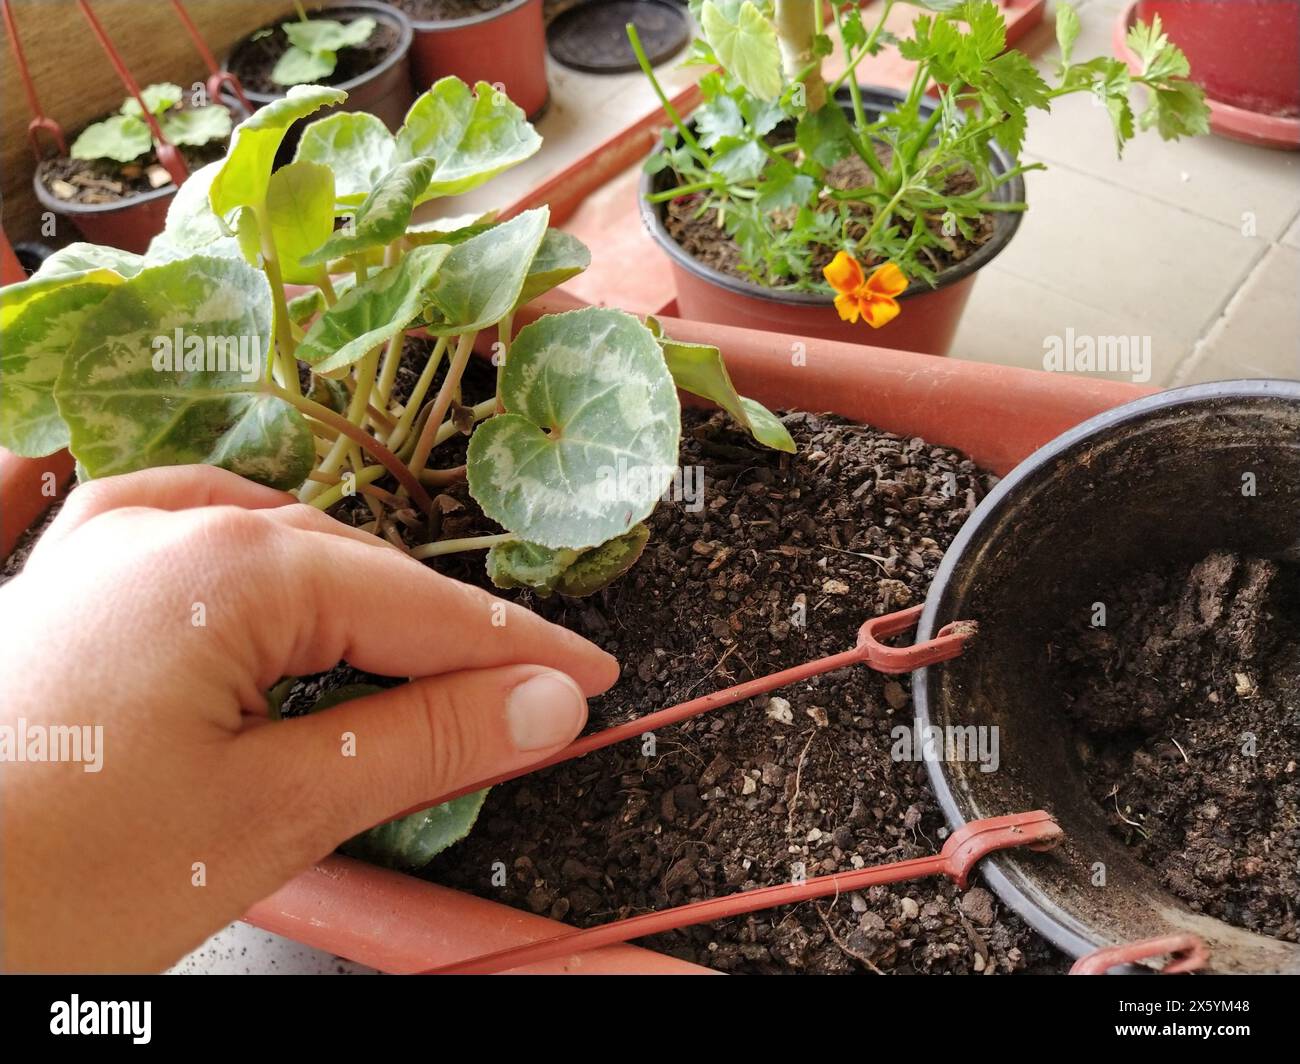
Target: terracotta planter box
{"x": 996, "y": 414}
{"x": 505, "y": 47}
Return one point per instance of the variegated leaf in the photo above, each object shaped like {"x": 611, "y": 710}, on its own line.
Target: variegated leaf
{"x": 384, "y": 215}
{"x": 560, "y": 256}
{"x": 300, "y": 209}
{"x": 589, "y": 441}
{"x": 165, "y": 371}
{"x": 357, "y": 146}
{"x": 570, "y": 572}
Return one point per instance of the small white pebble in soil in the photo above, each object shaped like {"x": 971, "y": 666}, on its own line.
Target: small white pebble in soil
{"x": 910, "y": 909}
{"x": 814, "y": 834}
{"x": 748, "y": 786}
{"x": 778, "y": 709}
{"x": 835, "y": 587}
{"x": 856, "y": 861}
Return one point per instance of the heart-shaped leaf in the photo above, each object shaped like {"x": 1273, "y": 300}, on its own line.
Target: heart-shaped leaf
{"x": 160, "y": 97}
{"x": 164, "y": 371}
{"x": 197, "y": 126}
{"x": 121, "y": 138}
{"x": 473, "y": 136}
{"x": 560, "y": 256}
{"x": 372, "y": 313}
{"x": 356, "y": 146}
{"x": 575, "y": 573}
{"x": 31, "y": 357}
{"x": 384, "y": 215}
{"x": 700, "y": 370}
{"x": 300, "y": 208}
{"x": 589, "y": 442}
{"x": 745, "y": 42}
{"x": 413, "y": 841}
{"x": 299, "y": 67}
{"x": 481, "y": 280}
{"x": 242, "y": 179}
{"x": 75, "y": 264}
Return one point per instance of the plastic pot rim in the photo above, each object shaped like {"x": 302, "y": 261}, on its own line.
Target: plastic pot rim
{"x": 993, "y": 867}
{"x": 1006, "y": 226}
{"x": 399, "y": 52}
{"x": 441, "y": 25}
{"x": 71, "y": 207}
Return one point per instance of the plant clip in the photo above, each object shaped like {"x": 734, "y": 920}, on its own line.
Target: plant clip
{"x": 964, "y": 848}
{"x": 1187, "y": 953}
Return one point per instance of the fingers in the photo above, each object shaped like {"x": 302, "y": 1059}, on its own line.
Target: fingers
{"x": 338, "y": 772}
{"x": 383, "y": 612}
{"x": 161, "y": 488}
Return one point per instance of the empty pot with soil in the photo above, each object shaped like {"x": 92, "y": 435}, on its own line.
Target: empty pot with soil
{"x": 375, "y": 73}
{"x": 502, "y": 42}
{"x": 712, "y": 287}
{"x": 1137, "y": 586}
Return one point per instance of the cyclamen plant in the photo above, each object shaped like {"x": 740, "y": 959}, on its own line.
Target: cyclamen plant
{"x": 126, "y": 136}
{"x": 203, "y": 350}
{"x": 314, "y": 46}
{"x": 771, "y": 127}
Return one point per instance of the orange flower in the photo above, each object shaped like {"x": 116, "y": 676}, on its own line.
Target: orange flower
{"x": 871, "y": 298}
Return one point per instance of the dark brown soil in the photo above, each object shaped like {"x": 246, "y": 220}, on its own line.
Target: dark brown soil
{"x": 255, "y": 57}
{"x": 445, "y": 10}
{"x": 1189, "y": 704}
{"x": 701, "y": 238}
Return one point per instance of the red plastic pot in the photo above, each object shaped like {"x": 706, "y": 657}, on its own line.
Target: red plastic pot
{"x": 505, "y": 48}
{"x": 930, "y": 315}
{"x": 1244, "y": 53}
{"x": 128, "y": 224}
{"x": 384, "y": 90}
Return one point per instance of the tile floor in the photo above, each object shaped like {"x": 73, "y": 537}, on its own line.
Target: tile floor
{"x": 1195, "y": 245}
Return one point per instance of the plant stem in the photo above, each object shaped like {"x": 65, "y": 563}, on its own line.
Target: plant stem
{"x": 866, "y": 48}
{"x": 356, "y": 418}
{"x": 338, "y": 491}
{"x": 357, "y": 435}
{"x": 505, "y": 332}
{"x": 407, "y": 419}
{"x": 680, "y": 190}
{"x": 285, "y": 347}
{"x": 392, "y": 361}
{"x": 796, "y": 33}
{"x": 420, "y": 456}
{"x": 454, "y": 546}
{"x": 644, "y": 63}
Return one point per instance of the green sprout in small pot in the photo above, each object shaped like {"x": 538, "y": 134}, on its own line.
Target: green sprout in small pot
{"x": 259, "y": 335}
{"x": 314, "y": 45}
{"x": 813, "y": 192}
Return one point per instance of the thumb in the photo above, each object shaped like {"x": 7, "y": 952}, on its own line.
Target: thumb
{"x": 358, "y": 764}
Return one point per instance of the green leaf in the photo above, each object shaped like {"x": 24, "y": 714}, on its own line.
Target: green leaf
{"x": 1178, "y": 110}
{"x": 158, "y": 98}
{"x": 300, "y": 209}
{"x": 413, "y": 841}
{"x": 589, "y": 441}
{"x": 559, "y": 257}
{"x": 242, "y": 179}
{"x": 76, "y": 264}
{"x": 197, "y": 126}
{"x": 700, "y": 370}
{"x": 306, "y": 306}
{"x": 122, "y": 138}
{"x": 300, "y": 67}
{"x": 133, "y": 397}
{"x": 372, "y": 313}
{"x": 481, "y": 281}
{"x": 383, "y": 216}
{"x": 783, "y": 186}
{"x": 740, "y": 162}
{"x": 31, "y": 356}
{"x": 824, "y": 136}
{"x": 472, "y": 136}
{"x": 356, "y": 146}
{"x": 745, "y": 43}
{"x": 570, "y": 572}
{"x": 1067, "y": 30}
{"x": 718, "y": 118}
{"x": 327, "y": 35}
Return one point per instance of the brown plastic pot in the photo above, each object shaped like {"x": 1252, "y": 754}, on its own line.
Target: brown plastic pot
{"x": 930, "y": 314}
{"x": 996, "y": 414}
{"x": 383, "y": 91}
{"x": 505, "y": 47}
{"x": 1158, "y": 479}
{"x": 1244, "y": 53}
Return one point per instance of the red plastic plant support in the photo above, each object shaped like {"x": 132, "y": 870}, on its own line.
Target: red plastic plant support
{"x": 869, "y": 651}
{"x": 218, "y": 79}
{"x": 1036, "y": 830}
{"x": 171, "y": 159}
{"x": 40, "y": 123}
{"x": 1187, "y": 954}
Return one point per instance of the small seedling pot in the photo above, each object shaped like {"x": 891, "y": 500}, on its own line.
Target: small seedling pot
{"x": 129, "y": 223}
{"x": 930, "y": 315}
{"x": 383, "y": 91}
{"x": 1156, "y": 480}
{"x": 1244, "y": 53}
{"x": 505, "y": 48}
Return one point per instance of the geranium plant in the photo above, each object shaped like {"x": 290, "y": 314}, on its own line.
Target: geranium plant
{"x": 314, "y": 46}
{"x": 125, "y": 136}
{"x": 764, "y": 155}
{"x": 261, "y": 335}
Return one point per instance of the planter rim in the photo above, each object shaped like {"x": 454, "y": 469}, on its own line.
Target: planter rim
{"x": 439, "y": 25}
{"x": 1005, "y": 228}
{"x": 48, "y": 200}
{"x": 405, "y": 36}
{"x": 993, "y": 868}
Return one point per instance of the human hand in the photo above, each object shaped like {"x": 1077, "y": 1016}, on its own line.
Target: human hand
{"x": 102, "y": 628}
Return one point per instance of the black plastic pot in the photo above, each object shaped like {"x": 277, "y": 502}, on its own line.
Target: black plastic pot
{"x": 384, "y": 90}
{"x": 930, "y": 314}
{"x": 1156, "y": 480}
